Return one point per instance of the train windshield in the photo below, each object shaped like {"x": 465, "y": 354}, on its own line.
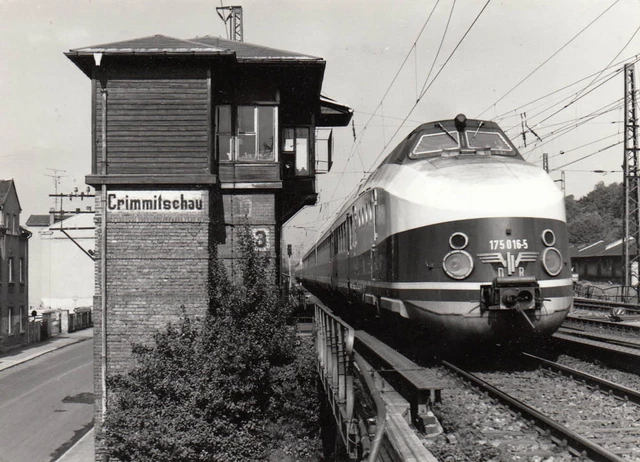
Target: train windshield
{"x": 435, "y": 143}
{"x": 493, "y": 141}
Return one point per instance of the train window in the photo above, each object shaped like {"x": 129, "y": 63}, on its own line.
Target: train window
{"x": 435, "y": 143}
{"x": 493, "y": 141}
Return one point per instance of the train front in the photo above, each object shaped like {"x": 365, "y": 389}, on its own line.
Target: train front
{"x": 477, "y": 237}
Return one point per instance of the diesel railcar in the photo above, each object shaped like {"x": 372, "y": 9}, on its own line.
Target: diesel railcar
{"x": 454, "y": 231}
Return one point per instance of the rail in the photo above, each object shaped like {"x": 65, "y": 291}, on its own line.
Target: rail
{"x": 605, "y": 304}
{"x": 573, "y": 439}
{"x": 616, "y": 389}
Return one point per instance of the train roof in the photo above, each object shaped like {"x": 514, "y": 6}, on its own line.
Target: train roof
{"x": 450, "y": 137}
{"x": 438, "y": 142}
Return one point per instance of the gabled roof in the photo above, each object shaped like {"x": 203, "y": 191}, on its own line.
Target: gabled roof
{"x": 250, "y": 52}
{"x": 155, "y": 44}
{"x": 5, "y": 188}
{"x": 599, "y": 249}
{"x": 38, "y": 220}
{"x": 204, "y": 47}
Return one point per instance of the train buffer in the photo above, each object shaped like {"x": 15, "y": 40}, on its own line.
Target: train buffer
{"x": 413, "y": 382}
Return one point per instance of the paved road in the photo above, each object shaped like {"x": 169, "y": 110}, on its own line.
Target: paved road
{"x": 46, "y": 404}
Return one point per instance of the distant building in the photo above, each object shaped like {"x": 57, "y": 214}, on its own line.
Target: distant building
{"x": 61, "y": 266}
{"x": 14, "y": 263}
{"x": 599, "y": 261}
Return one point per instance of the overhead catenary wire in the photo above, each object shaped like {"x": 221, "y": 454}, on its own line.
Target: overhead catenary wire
{"x": 514, "y": 112}
{"x": 587, "y": 156}
{"x": 433, "y": 80}
{"x": 548, "y": 59}
{"x": 570, "y": 127}
{"x": 614, "y": 74}
{"x": 578, "y": 122}
{"x": 612, "y": 60}
{"x": 422, "y": 94}
{"x": 358, "y": 138}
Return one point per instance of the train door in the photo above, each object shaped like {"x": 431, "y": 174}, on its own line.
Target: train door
{"x": 375, "y": 260}
{"x": 334, "y": 258}
{"x": 349, "y": 239}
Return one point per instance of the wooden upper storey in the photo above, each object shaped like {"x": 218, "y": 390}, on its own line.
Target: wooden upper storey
{"x": 170, "y": 111}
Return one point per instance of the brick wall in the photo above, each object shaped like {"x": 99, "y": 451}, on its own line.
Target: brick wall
{"x": 157, "y": 262}
{"x": 255, "y": 211}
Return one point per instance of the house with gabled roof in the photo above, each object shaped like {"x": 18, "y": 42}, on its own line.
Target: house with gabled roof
{"x": 14, "y": 260}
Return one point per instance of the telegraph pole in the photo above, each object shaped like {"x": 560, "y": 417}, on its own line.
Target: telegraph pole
{"x": 631, "y": 190}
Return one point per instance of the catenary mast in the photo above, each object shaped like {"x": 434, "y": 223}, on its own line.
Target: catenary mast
{"x": 631, "y": 190}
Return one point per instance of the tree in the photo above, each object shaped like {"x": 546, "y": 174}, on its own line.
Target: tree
{"x": 598, "y": 215}
{"x": 237, "y": 385}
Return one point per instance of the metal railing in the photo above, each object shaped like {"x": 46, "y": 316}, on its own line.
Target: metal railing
{"x": 334, "y": 344}
{"x": 619, "y": 293}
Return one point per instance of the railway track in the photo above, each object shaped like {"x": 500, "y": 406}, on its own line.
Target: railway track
{"x": 605, "y": 305}
{"x": 591, "y": 417}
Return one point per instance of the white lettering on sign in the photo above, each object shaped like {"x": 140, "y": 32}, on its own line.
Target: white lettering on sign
{"x": 155, "y": 201}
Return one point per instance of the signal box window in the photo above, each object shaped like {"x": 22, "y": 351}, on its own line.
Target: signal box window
{"x": 246, "y": 133}
{"x": 296, "y": 143}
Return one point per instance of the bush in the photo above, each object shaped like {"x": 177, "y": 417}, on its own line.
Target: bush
{"x": 237, "y": 385}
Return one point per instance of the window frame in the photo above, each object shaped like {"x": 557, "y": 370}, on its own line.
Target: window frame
{"x": 235, "y": 134}
{"x": 504, "y": 152}
{"x": 10, "y": 320}
{"x": 418, "y": 155}
{"x": 294, "y": 148}
{"x": 10, "y": 278}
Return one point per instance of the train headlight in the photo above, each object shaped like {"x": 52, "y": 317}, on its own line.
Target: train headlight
{"x": 458, "y": 241}
{"x": 552, "y": 261}
{"x": 458, "y": 264}
{"x": 548, "y": 237}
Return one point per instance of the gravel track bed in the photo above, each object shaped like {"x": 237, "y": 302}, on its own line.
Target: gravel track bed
{"x": 603, "y": 371}
{"x": 610, "y": 422}
{"x": 478, "y": 429}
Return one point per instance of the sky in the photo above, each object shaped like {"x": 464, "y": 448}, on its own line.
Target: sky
{"x": 513, "y": 62}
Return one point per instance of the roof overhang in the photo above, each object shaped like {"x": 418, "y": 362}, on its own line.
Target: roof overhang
{"x": 333, "y": 114}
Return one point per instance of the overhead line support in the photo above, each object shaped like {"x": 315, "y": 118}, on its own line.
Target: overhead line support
{"x": 631, "y": 187}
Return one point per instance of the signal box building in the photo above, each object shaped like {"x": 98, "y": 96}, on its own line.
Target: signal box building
{"x": 14, "y": 260}
{"x": 192, "y": 140}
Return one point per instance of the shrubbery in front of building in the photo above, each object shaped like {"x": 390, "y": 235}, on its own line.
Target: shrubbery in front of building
{"x": 237, "y": 385}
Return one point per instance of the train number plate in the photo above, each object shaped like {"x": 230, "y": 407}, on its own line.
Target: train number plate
{"x": 508, "y": 244}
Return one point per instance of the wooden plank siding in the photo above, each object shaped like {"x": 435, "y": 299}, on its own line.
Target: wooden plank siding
{"x": 229, "y": 172}
{"x": 155, "y": 126}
